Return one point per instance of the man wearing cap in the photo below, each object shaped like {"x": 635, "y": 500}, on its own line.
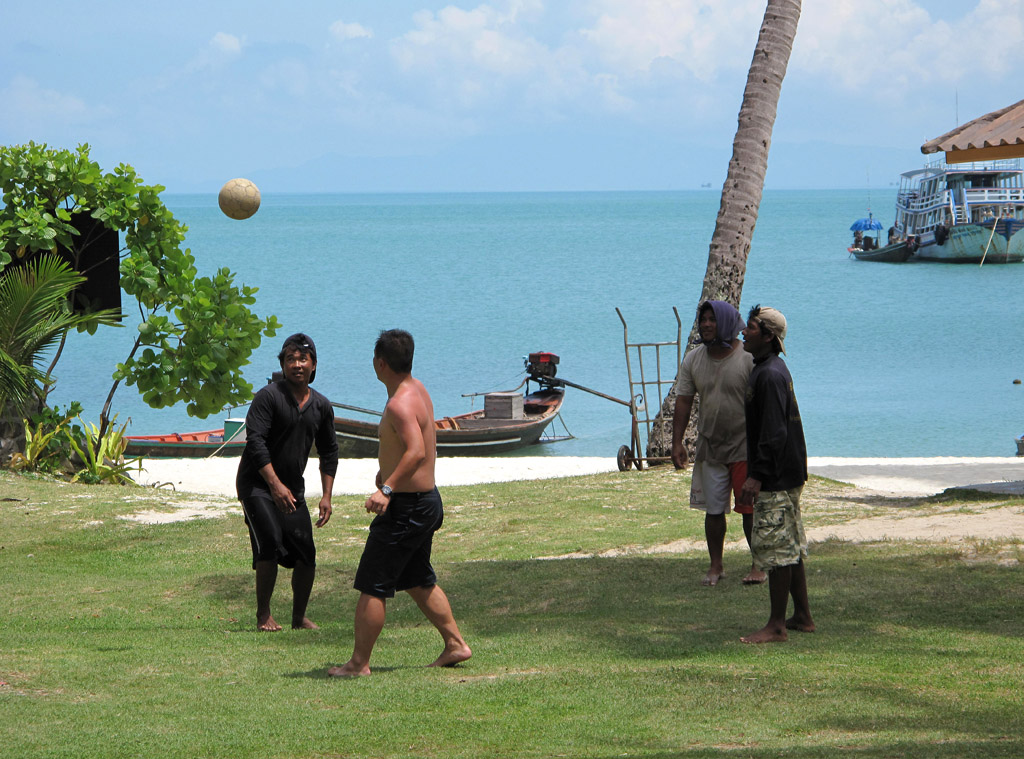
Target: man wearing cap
{"x": 776, "y": 473}
{"x": 717, "y": 370}
{"x": 285, "y": 418}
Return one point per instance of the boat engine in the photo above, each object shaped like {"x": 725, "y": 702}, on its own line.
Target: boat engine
{"x": 542, "y": 364}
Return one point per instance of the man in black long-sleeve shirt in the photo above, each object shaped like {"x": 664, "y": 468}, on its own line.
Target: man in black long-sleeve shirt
{"x": 776, "y": 473}
{"x": 285, "y": 418}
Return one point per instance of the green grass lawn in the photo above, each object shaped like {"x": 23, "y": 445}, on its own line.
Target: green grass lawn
{"x": 123, "y": 639}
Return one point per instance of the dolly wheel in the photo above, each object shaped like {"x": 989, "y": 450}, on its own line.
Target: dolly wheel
{"x": 625, "y": 458}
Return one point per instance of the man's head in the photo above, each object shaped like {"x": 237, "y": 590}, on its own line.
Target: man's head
{"x": 298, "y": 351}
{"x": 718, "y": 323}
{"x": 395, "y": 348}
{"x": 765, "y": 332}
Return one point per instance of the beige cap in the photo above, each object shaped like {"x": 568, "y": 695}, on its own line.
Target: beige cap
{"x": 775, "y": 322}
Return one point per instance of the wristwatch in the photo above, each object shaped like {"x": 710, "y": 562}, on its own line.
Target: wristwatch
{"x": 386, "y": 490}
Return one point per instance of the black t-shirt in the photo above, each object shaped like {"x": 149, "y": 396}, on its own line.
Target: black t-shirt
{"x": 279, "y": 433}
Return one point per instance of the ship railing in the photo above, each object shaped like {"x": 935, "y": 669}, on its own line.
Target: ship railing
{"x": 916, "y": 204}
{"x": 995, "y": 195}
{"x": 1006, "y": 164}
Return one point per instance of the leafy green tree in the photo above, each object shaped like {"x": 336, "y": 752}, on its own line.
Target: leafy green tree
{"x": 195, "y": 333}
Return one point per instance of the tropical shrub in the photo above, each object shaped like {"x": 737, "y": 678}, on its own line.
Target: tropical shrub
{"x": 103, "y": 456}
{"x": 50, "y": 440}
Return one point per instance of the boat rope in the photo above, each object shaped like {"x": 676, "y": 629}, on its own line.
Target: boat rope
{"x": 995, "y": 223}
{"x": 234, "y": 434}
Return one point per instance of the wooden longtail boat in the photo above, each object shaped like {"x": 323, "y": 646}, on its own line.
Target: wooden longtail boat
{"x": 488, "y": 431}
{"x": 189, "y": 445}
{"x": 508, "y": 421}
{"x": 896, "y": 253}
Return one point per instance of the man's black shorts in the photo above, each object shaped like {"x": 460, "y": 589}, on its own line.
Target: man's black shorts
{"x": 397, "y": 553}
{"x": 284, "y": 538}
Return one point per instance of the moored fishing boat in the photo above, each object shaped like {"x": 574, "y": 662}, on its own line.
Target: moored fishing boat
{"x": 868, "y": 248}
{"x": 896, "y": 253}
{"x": 229, "y": 441}
{"x": 509, "y": 421}
{"x": 963, "y": 213}
{"x": 968, "y": 207}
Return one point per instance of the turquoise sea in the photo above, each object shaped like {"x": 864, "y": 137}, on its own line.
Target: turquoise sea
{"x": 887, "y": 359}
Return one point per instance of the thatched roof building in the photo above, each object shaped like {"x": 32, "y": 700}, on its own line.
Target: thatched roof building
{"x": 995, "y": 135}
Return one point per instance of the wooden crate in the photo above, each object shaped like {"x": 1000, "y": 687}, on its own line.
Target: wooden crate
{"x": 503, "y": 406}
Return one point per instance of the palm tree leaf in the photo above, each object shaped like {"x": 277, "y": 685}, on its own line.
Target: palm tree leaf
{"x": 34, "y": 315}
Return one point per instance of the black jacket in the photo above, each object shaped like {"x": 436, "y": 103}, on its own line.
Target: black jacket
{"x": 776, "y": 452}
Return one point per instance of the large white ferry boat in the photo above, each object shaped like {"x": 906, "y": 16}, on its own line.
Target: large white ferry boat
{"x": 963, "y": 213}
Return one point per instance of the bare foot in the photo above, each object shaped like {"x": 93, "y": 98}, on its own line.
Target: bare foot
{"x": 767, "y": 634}
{"x": 451, "y": 657}
{"x": 712, "y": 577}
{"x": 348, "y": 670}
{"x": 267, "y": 624}
{"x": 755, "y": 576}
{"x": 802, "y": 625}
{"x": 305, "y": 624}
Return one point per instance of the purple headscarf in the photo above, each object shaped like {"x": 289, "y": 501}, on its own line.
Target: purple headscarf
{"x": 730, "y": 323}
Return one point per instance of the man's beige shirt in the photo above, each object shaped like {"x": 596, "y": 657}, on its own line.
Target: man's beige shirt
{"x": 722, "y": 387}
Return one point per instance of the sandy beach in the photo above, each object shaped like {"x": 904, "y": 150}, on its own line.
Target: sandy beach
{"x": 895, "y": 476}
{"x": 204, "y": 489}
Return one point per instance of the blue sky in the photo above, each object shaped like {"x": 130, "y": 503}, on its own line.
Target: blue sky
{"x": 415, "y": 95}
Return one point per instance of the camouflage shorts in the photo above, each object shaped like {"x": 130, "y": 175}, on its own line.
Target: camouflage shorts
{"x": 778, "y": 538}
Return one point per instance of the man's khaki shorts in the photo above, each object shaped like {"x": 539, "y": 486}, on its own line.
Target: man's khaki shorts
{"x": 778, "y": 538}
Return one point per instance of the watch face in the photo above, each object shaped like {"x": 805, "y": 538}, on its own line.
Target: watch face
{"x": 385, "y": 490}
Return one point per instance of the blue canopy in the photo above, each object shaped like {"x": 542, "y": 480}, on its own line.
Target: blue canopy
{"x": 863, "y": 225}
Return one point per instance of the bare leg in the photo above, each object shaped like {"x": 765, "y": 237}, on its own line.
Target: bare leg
{"x": 434, "y": 604}
{"x": 779, "y": 580}
{"x": 755, "y": 576}
{"x": 714, "y": 533}
{"x": 801, "y": 619}
{"x": 302, "y": 586}
{"x": 266, "y": 577}
{"x": 370, "y": 614}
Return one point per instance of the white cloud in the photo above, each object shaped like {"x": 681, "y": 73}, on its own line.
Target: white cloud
{"x": 704, "y": 36}
{"x": 226, "y": 43}
{"x": 609, "y": 60}
{"x": 28, "y": 105}
{"x": 485, "y": 38}
{"x": 890, "y": 47}
{"x": 221, "y": 49}
{"x": 343, "y": 30}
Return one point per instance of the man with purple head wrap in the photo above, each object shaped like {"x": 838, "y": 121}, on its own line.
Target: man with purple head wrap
{"x": 717, "y": 369}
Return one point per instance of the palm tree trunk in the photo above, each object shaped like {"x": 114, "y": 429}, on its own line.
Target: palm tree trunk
{"x": 744, "y": 183}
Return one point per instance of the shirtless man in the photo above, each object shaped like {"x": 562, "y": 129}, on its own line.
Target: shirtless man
{"x": 409, "y": 511}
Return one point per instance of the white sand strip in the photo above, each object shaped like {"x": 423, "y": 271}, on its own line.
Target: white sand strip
{"x": 906, "y": 476}
{"x": 924, "y": 476}
{"x": 355, "y": 476}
